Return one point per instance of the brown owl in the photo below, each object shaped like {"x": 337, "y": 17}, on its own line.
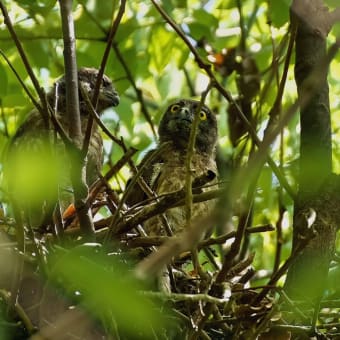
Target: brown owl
{"x": 167, "y": 172}
{"x": 38, "y": 168}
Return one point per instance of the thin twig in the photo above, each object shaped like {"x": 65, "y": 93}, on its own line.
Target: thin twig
{"x": 284, "y": 267}
{"x": 207, "y": 68}
{"x": 138, "y": 91}
{"x": 166, "y": 202}
{"x": 184, "y": 297}
{"x": 94, "y": 99}
{"x": 29, "y": 94}
{"x": 106, "y": 54}
{"x": 97, "y": 119}
{"x": 96, "y": 187}
{"x": 189, "y": 155}
{"x": 113, "y": 228}
{"x": 128, "y": 72}
{"x": 19, "y": 311}
{"x": 182, "y": 242}
{"x": 43, "y": 111}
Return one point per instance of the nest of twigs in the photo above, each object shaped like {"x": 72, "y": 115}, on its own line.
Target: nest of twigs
{"x": 202, "y": 288}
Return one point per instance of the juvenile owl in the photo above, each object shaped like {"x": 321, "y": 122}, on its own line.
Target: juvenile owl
{"x": 167, "y": 173}
{"x": 38, "y": 167}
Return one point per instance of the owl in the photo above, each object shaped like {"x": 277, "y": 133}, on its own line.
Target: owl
{"x": 167, "y": 173}
{"x": 38, "y": 167}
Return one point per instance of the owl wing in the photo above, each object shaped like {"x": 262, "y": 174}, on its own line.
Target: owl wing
{"x": 31, "y": 170}
{"x": 150, "y": 176}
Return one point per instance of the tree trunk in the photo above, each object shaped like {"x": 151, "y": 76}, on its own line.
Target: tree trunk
{"x": 315, "y": 209}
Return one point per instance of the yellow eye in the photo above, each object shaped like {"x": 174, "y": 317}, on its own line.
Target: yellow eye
{"x": 174, "y": 108}
{"x": 203, "y": 115}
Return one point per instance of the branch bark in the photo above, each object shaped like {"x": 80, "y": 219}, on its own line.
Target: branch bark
{"x": 77, "y": 156}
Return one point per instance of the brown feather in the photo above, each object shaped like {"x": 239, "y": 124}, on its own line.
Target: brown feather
{"x": 35, "y": 142}
{"x": 167, "y": 173}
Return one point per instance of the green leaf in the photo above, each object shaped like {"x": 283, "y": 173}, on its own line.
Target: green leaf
{"x": 205, "y": 18}
{"x": 107, "y": 288}
{"x": 180, "y": 3}
{"x": 332, "y": 3}
{"x": 279, "y": 12}
{"x": 199, "y": 31}
{"x": 126, "y": 29}
{"x": 37, "y": 52}
{"x": 336, "y": 29}
{"x": 42, "y": 172}
{"x": 102, "y": 11}
{"x": 225, "y": 4}
{"x": 37, "y": 7}
{"x": 161, "y": 44}
{"x": 3, "y": 81}
{"x": 203, "y": 26}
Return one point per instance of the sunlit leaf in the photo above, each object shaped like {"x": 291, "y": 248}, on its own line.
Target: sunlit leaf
{"x": 37, "y": 7}
{"x": 160, "y": 47}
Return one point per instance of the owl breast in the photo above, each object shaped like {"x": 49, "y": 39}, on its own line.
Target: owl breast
{"x": 170, "y": 176}
{"x": 94, "y": 152}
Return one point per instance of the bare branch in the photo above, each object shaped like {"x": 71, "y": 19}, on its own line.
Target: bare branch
{"x": 43, "y": 110}
{"x": 78, "y": 164}
{"x": 215, "y": 83}
{"x": 101, "y": 73}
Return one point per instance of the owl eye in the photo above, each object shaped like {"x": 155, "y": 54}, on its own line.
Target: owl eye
{"x": 203, "y": 115}
{"x": 174, "y": 108}
{"x": 106, "y": 82}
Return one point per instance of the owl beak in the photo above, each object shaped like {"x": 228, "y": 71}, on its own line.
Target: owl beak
{"x": 185, "y": 114}
{"x": 110, "y": 97}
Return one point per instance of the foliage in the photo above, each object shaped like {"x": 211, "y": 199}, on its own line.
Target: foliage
{"x": 246, "y": 45}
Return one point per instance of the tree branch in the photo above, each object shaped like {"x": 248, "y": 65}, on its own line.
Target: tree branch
{"x": 220, "y": 88}
{"x": 77, "y": 156}
{"x": 94, "y": 99}
{"x": 42, "y": 96}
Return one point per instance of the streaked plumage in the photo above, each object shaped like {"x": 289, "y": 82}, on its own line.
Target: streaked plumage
{"x": 37, "y": 154}
{"x": 167, "y": 172}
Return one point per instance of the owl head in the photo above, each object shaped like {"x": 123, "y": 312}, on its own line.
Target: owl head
{"x": 176, "y": 123}
{"x": 87, "y": 78}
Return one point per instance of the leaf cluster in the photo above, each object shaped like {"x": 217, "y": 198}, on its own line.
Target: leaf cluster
{"x": 243, "y": 55}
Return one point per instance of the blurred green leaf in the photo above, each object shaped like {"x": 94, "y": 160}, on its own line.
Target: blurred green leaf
{"x": 37, "y": 7}
{"x": 107, "y": 288}
{"x": 102, "y": 11}
{"x": 205, "y": 18}
{"x": 336, "y": 29}
{"x": 3, "y": 81}
{"x": 279, "y": 12}
{"x": 156, "y": 58}
{"x": 199, "y": 31}
{"x": 332, "y": 3}
{"x": 126, "y": 29}
{"x": 33, "y": 173}
{"x": 160, "y": 47}
{"x": 38, "y": 53}
{"x": 225, "y": 4}
{"x": 180, "y": 3}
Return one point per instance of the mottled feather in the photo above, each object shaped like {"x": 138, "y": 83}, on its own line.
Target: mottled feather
{"x": 167, "y": 173}
{"x": 35, "y": 142}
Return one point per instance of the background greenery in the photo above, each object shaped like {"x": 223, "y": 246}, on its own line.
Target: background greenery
{"x": 150, "y": 59}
